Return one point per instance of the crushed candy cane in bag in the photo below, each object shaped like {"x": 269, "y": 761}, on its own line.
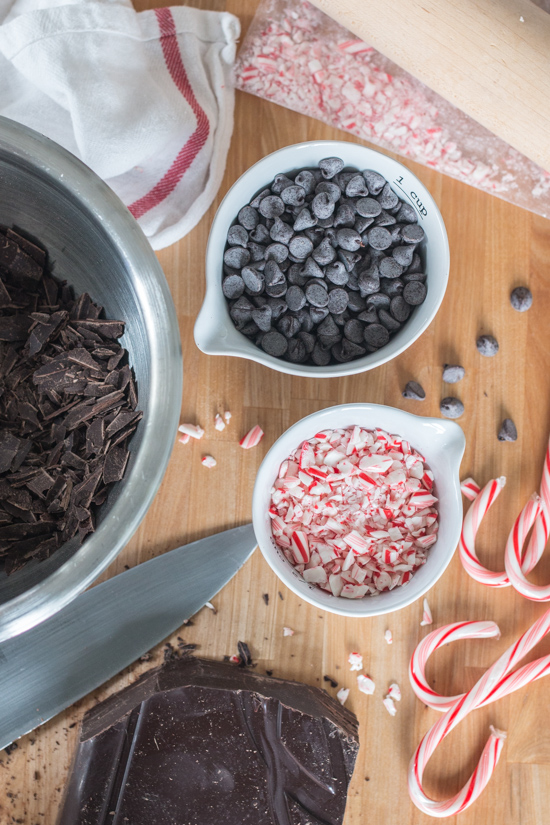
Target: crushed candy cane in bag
{"x": 353, "y": 511}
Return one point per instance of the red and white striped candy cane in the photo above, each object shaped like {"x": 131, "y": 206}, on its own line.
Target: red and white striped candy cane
{"x": 498, "y": 681}
{"x": 514, "y": 547}
{"x": 537, "y": 544}
{"x": 472, "y": 522}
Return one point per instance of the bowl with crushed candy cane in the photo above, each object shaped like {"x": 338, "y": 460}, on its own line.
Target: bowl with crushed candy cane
{"x": 357, "y": 508}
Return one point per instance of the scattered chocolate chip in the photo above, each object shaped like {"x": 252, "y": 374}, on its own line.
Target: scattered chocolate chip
{"x": 508, "y": 431}
{"x": 521, "y": 299}
{"x": 487, "y": 345}
{"x": 452, "y": 373}
{"x": 451, "y": 407}
{"x": 333, "y": 682}
{"x": 414, "y": 390}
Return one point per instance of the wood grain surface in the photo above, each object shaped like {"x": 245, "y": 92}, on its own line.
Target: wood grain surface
{"x": 494, "y": 247}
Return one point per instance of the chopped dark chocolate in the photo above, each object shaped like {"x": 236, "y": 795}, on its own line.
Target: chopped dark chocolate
{"x": 203, "y": 743}
{"x": 67, "y": 407}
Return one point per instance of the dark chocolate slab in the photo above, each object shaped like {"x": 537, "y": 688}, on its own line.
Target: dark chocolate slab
{"x": 198, "y": 742}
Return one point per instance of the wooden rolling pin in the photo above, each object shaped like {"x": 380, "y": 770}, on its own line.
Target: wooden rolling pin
{"x": 491, "y": 58}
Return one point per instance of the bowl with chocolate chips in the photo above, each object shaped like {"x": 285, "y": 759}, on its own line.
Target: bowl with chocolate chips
{"x": 325, "y": 258}
{"x": 90, "y": 377}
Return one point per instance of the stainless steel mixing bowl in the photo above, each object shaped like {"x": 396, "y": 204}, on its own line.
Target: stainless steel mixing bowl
{"x": 94, "y": 243}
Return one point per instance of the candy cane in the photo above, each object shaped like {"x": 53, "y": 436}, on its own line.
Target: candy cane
{"x": 498, "y": 681}
{"x": 514, "y": 547}
{"x": 472, "y": 522}
{"x": 541, "y": 528}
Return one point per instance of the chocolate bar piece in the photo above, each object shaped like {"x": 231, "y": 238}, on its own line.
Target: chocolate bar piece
{"x": 199, "y": 742}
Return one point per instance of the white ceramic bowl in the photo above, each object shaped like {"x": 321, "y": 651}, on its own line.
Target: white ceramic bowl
{"x": 441, "y": 442}
{"x": 215, "y": 333}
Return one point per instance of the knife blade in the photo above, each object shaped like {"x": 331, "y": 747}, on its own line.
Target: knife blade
{"x": 105, "y": 629}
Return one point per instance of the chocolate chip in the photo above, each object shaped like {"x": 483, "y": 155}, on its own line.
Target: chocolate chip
{"x": 414, "y": 390}
{"x": 453, "y": 373}
{"x": 271, "y": 206}
{"x": 317, "y": 295}
{"x": 374, "y": 181}
{"x": 391, "y": 287}
{"x": 406, "y": 214}
{"x": 451, "y": 407}
{"x": 487, "y": 345}
{"x": 349, "y": 259}
{"x": 306, "y": 180}
{"x": 233, "y": 287}
{"x": 508, "y": 431}
{"x": 304, "y": 220}
{"x": 521, "y": 299}
{"x": 331, "y": 189}
{"x": 297, "y": 352}
{"x": 295, "y": 298}
{"x": 322, "y": 206}
{"x": 403, "y": 255}
{"x": 274, "y": 344}
{"x": 281, "y": 232}
{"x": 415, "y": 293}
{"x": 308, "y": 340}
{"x": 253, "y": 280}
{"x": 280, "y": 182}
{"x": 376, "y": 335}
{"x": 345, "y": 351}
{"x": 300, "y": 247}
{"x": 255, "y": 202}
{"x": 289, "y": 325}
{"x": 324, "y": 253}
{"x": 379, "y": 238}
{"x": 262, "y": 317}
{"x": 336, "y": 273}
{"x": 237, "y": 236}
{"x": 260, "y": 234}
{"x": 368, "y": 208}
{"x": 388, "y": 321}
{"x": 320, "y": 356}
{"x": 345, "y": 216}
{"x": 356, "y": 187}
{"x": 337, "y": 300}
{"x": 312, "y": 269}
{"x": 349, "y": 239}
{"x": 353, "y": 331}
{"x": 293, "y": 195}
{"x": 387, "y": 197}
{"x": 318, "y": 314}
{"x": 331, "y": 166}
{"x": 390, "y": 268}
{"x": 399, "y": 309}
{"x": 248, "y": 217}
{"x": 412, "y": 233}
{"x": 236, "y": 257}
{"x": 368, "y": 316}
{"x": 379, "y": 300}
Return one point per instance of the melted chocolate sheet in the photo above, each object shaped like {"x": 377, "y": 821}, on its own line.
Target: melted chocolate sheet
{"x": 198, "y": 742}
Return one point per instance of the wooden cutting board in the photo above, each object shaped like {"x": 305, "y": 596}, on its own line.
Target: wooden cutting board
{"x": 494, "y": 247}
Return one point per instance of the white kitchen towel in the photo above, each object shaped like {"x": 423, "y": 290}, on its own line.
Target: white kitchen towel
{"x": 144, "y": 99}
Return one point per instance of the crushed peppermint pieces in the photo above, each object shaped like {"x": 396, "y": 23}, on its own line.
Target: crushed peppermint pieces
{"x": 227, "y": 416}
{"x": 219, "y": 423}
{"x": 389, "y": 705}
{"x": 426, "y": 615}
{"x": 208, "y": 461}
{"x": 184, "y": 438}
{"x": 470, "y": 488}
{"x": 388, "y": 636}
{"x": 252, "y": 438}
{"x": 394, "y": 692}
{"x": 353, "y": 511}
{"x": 342, "y": 695}
{"x": 288, "y": 631}
{"x": 192, "y": 430}
{"x": 355, "y": 661}
{"x": 210, "y": 606}
{"x": 365, "y": 684}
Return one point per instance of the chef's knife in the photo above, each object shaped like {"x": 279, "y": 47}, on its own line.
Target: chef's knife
{"x": 105, "y": 629}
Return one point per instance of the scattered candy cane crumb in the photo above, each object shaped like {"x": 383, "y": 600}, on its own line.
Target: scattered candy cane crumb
{"x": 235, "y": 659}
{"x": 184, "y": 438}
{"x": 193, "y": 430}
{"x": 209, "y": 461}
{"x": 211, "y": 606}
{"x": 227, "y": 416}
{"x": 288, "y": 631}
{"x": 252, "y": 438}
{"x": 389, "y": 705}
{"x": 388, "y": 636}
{"x": 522, "y": 19}
{"x": 365, "y": 684}
{"x": 394, "y": 692}
{"x": 219, "y": 423}
{"x": 356, "y": 661}
{"x": 426, "y": 615}
{"x": 470, "y": 488}
{"x": 342, "y": 695}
